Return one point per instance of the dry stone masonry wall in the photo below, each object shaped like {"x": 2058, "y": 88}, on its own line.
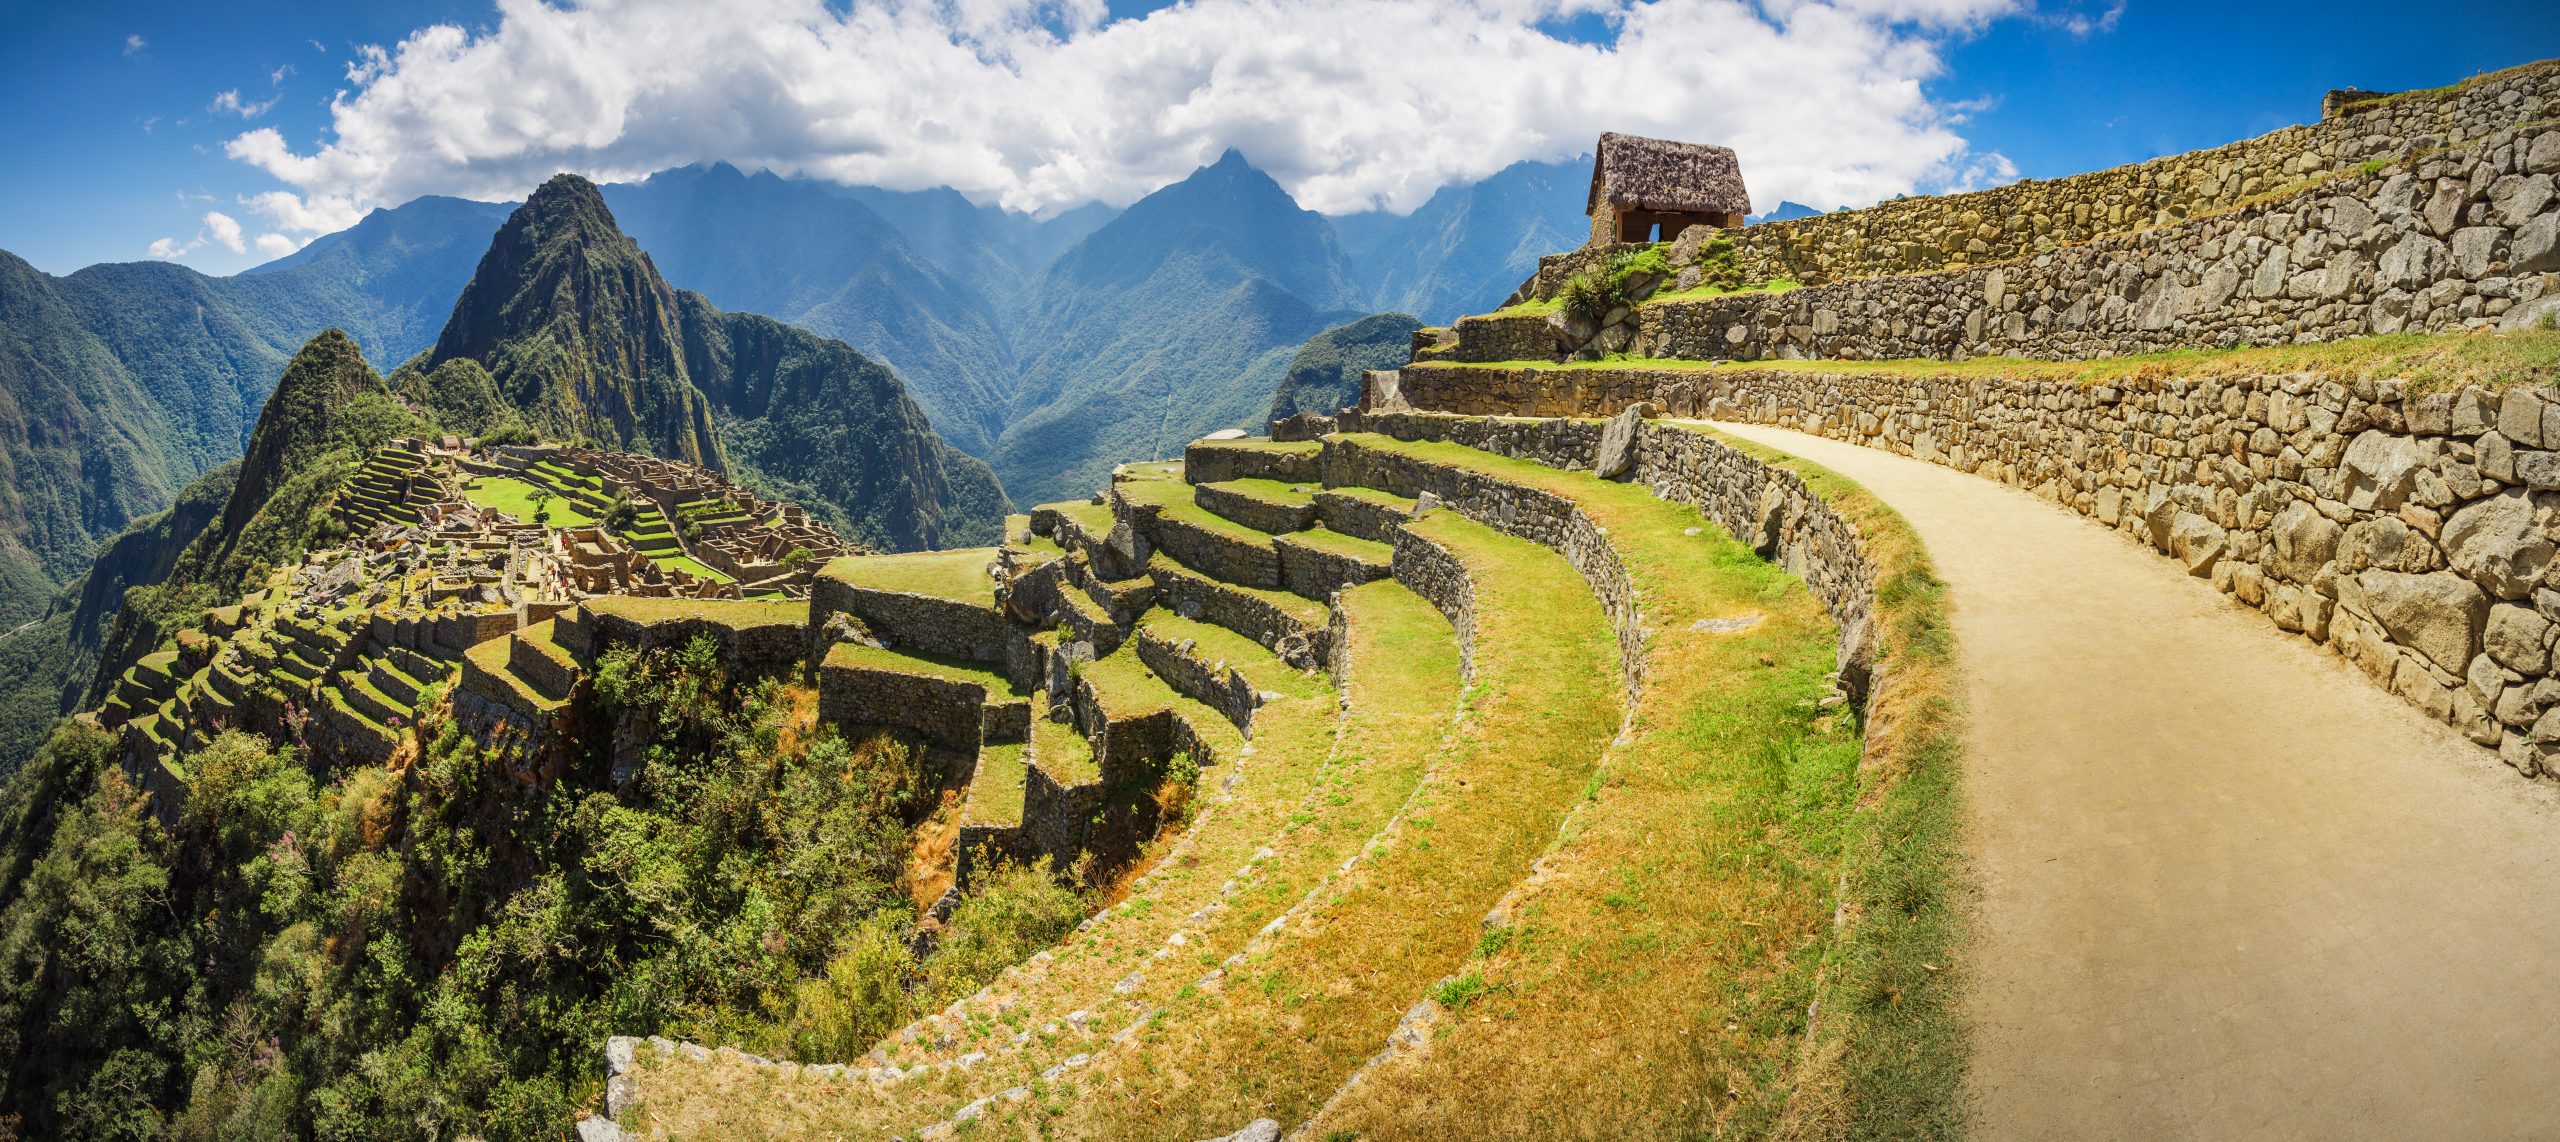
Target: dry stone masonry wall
{"x": 2463, "y": 238}
{"x": 1768, "y": 508}
{"x": 2413, "y": 534}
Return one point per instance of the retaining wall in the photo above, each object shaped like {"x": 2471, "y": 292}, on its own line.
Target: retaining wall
{"x": 2412, "y": 534}
{"x": 2464, "y": 238}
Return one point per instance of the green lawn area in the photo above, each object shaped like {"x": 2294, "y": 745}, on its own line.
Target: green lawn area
{"x": 515, "y": 497}
{"x": 690, "y": 566}
{"x": 959, "y": 575}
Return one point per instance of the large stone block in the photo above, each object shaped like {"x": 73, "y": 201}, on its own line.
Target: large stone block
{"x": 2499, "y": 544}
{"x": 2438, "y": 614}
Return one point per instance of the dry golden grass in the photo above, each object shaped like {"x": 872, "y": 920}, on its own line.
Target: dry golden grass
{"x": 1279, "y": 1032}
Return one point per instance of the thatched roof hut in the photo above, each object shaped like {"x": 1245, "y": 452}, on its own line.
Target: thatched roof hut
{"x": 1639, "y": 183}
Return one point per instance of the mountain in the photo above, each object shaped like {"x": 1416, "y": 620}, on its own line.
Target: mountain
{"x": 395, "y": 273}
{"x": 1466, "y": 248}
{"x": 1786, "y": 212}
{"x": 1324, "y": 375}
{"x": 568, "y": 326}
{"x": 1176, "y": 318}
{"x": 830, "y": 264}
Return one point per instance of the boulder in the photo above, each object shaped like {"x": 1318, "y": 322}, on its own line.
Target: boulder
{"x": 2517, "y": 636}
{"x": 2381, "y": 469}
{"x": 2305, "y": 541}
{"x": 1303, "y": 426}
{"x": 2497, "y": 542}
{"x": 1617, "y": 456}
{"x": 2438, "y": 615}
{"x": 2196, "y": 542}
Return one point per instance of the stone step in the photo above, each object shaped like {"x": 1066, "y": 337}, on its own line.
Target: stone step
{"x": 1217, "y": 461}
{"x": 1263, "y": 505}
{"x": 538, "y": 658}
{"x": 1319, "y": 562}
{"x": 1210, "y": 664}
{"x": 1367, "y": 513}
{"x": 951, "y": 703}
{"x": 1294, "y": 628}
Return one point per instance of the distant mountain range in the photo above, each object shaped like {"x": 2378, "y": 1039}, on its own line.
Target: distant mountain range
{"x": 1051, "y": 347}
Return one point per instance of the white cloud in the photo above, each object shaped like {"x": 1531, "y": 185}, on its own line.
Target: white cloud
{"x": 278, "y": 245}
{"x": 230, "y": 103}
{"x": 134, "y": 45}
{"x": 171, "y": 248}
{"x": 277, "y": 77}
{"x": 225, "y": 231}
{"x": 1040, "y": 104}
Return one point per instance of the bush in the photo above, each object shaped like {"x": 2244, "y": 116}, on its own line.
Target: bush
{"x": 1015, "y": 910}
{"x": 1583, "y": 299}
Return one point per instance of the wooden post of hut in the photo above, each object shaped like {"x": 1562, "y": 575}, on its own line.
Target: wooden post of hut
{"x": 1649, "y": 190}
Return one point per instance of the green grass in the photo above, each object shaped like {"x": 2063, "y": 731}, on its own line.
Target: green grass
{"x": 959, "y": 575}
{"x": 734, "y": 613}
{"x": 995, "y": 794}
{"x": 1323, "y": 539}
{"x": 691, "y": 566}
{"x": 1061, "y": 752}
{"x": 2428, "y": 361}
{"x": 515, "y": 497}
{"x": 1308, "y": 795}
{"x": 849, "y": 655}
{"x": 1700, "y": 293}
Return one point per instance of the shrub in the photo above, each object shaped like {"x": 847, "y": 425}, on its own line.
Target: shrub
{"x": 1583, "y": 299}
{"x": 1015, "y": 910}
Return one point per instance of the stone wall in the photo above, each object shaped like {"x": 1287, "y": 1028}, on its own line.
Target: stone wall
{"x": 2022, "y": 219}
{"x": 1215, "y": 684}
{"x": 1769, "y": 508}
{"x": 946, "y": 711}
{"x": 2464, "y": 238}
{"x": 1434, "y": 572}
{"x": 1538, "y": 516}
{"x": 976, "y": 632}
{"x": 2412, "y": 534}
{"x": 1197, "y": 597}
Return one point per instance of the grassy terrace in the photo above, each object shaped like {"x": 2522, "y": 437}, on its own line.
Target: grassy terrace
{"x": 1214, "y": 644}
{"x": 995, "y": 794}
{"x": 1696, "y": 961}
{"x": 1309, "y": 796}
{"x": 733, "y": 613}
{"x": 515, "y": 497}
{"x": 1323, "y": 539}
{"x": 857, "y": 656}
{"x": 1063, "y": 753}
{"x": 2428, "y": 361}
{"x": 1091, "y": 518}
{"x": 1306, "y": 611}
{"x": 957, "y": 575}
{"x": 1277, "y": 1034}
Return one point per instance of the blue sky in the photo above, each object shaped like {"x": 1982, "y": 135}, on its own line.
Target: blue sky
{"x": 122, "y": 134}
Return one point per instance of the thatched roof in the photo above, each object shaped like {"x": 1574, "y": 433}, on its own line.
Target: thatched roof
{"x": 1658, "y": 174}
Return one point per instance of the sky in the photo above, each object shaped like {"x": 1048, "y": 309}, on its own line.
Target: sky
{"x": 223, "y": 135}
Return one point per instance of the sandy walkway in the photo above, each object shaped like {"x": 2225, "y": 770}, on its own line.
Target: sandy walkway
{"x": 2231, "y": 889}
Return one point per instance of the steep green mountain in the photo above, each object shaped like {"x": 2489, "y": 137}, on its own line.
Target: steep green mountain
{"x": 581, "y": 338}
{"x": 1175, "y": 319}
{"x": 1466, "y": 248}
{"x": 828, "y": 264}
{"x": 324, "y": 415}
{"x": 1324, "y": 376}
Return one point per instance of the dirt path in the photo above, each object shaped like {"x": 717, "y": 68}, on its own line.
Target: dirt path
{"x": 2231, "y": 889}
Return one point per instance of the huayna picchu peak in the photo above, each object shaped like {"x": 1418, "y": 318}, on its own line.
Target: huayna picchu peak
{"x": 567, "y": 329}
{"x": 2074, "y": 658}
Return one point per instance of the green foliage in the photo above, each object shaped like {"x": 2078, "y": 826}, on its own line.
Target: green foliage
{"x": 439, "y": 950}
{"x": 1324, "y": 376}
{"x": 1584, "y": 299}
{"x": 1012, "y": 911}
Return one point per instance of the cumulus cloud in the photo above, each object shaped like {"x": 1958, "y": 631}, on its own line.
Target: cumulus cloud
{"x": 225, "y": 231}
{"x": 1044, "y": 104}
{"x": 170, "y": 249}
{"x": 230, "y": 103}
{"x": 279, "y": 245}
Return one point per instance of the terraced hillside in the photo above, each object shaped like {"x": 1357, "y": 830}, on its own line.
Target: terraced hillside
{"x": 1443, "y": 702}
